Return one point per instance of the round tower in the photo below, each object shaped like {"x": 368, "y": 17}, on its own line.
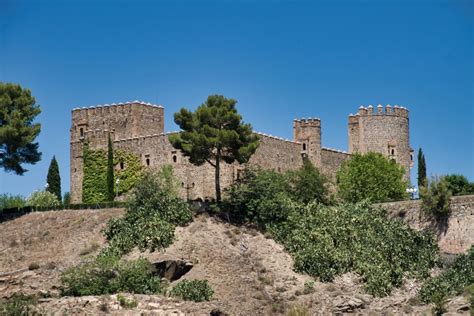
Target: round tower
{"x": 384, "y": 130}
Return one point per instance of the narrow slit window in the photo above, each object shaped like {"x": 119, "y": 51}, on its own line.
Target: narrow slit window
{"x": 121, "y": 165}
{"x": 304, "y": 146}
{"x": 175, "y": 159}
{"x": 148, "y": 161}
{"x": 81, "y": 131}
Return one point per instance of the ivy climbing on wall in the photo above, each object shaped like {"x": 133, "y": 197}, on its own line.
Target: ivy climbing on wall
{"x": 94, "y": 183}
{"x": 132, "y": 172}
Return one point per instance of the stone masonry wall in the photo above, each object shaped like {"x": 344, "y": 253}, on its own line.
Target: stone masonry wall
{"x": 454, "y": 236}
{"x": 331, "y": 160}
{"x": 138, "y": 127}
{"x": 385, "y": 132}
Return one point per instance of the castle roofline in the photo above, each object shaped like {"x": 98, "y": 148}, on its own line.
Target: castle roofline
{"x": 118, "y": 104}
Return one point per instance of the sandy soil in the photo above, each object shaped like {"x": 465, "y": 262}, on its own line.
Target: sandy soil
{"x": 250, "y": 274}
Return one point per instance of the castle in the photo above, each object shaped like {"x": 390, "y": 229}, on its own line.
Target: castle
{"x": 138, "y": 127}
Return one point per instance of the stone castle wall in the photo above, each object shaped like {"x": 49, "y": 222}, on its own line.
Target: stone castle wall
{"x": 138, "y": 127}
{"x": 454, "y": 235}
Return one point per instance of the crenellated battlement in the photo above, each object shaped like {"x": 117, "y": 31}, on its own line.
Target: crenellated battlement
{"x": 138, "y": 127}
{"x": 370, "y": 110}
{"x": 116, "y": 105}
{"x": 311, "y": 121}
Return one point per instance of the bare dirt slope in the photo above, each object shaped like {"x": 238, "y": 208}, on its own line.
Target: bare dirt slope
{"x": 250, "y": 274}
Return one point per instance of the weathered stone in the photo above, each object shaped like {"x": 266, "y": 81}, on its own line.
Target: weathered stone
{"x": 138, "y": 127}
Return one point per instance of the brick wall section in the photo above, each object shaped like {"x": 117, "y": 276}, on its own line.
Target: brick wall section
{"x": 456, "y": 236}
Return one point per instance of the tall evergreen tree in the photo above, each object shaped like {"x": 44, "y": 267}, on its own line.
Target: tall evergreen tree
{"x": 421, "y": 169}
{"x": 54, "y": 179}
{"x": 110, "y": 170}
{"x": 214, "y": 133}
{"x": 17, "y": 130}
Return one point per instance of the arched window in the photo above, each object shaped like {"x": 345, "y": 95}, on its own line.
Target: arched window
{"x": 148, "y": 161}
{"x": 175, "y": 159}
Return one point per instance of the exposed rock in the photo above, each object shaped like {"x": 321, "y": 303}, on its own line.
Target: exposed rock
{"x": 171, "y": 270}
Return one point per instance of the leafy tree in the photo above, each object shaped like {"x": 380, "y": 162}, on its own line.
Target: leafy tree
{"x": 67, "y": 199}
{"x": 150, "y": 217}
{"x": 435, "y": 197}
{"x": 261, "y": 196}
{"x": 42, "y": 199}
{"x": 17, "y": 130}
{"x": 110, "y": 170}
{"x": 11, "y": 201}
{"x": 371, "y": 176}
{"x": 459, "y": 184}
{"x": 308, "y": 184}
{"x": 214, "y": 133}
{"x": 54, "y": 179}
{"x": 421, "y": 169}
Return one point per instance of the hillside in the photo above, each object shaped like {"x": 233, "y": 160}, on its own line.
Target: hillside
{"x": 249, "y": 273}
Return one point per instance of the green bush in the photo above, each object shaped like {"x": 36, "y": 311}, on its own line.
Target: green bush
{"x": 329, "y": 241}
{"x": 108, "y": 275}
{"x": 67, "y": 199}
{"x": 262, "y": 197}
{"x": 371, "y": 177}
{"x": 452, "y": 281}
{"x": 18, "y": 304}
{"x": 11, "y": 201}
{"x": 150, "y": 217}
{"x": 126, "y": 303}
{"x": 42, "y": 199}
{"x": 435, "y": 197}
{"x": 195, "y": 290}
{"x": 307, "y": 184}
{"x": 459, "y": 185}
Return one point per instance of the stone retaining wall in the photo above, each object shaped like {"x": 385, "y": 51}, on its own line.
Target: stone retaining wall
{"x": 455, "y": 233}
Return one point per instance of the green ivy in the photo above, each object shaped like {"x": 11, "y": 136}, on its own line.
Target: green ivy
{"x": 94, "y": 182}
{"x": 132, "y": 172}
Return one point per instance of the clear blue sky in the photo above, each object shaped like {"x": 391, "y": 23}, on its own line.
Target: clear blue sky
{"x": 280, "y": 59}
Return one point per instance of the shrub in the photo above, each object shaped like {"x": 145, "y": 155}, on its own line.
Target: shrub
{"x": 262, "y": 197}
{"x": 42, "y": 199}
{"x": 459, "y": 185}
{"x": 108, "y": 275}
{"x": 308, "y": 184}
{"x": 195, "y": 290}
{"x": 18, "y": 304}
{"x": 435, "y": 197}
{"x": 11, "y": 201}
{"x": 150, "y": 217}
{"x": 452, "y": 281}
{"x": 329, "y": 241}
{"x": 373, "y": 177}
{"x": 126, "y": 303}
{"x": 67, "y": 199}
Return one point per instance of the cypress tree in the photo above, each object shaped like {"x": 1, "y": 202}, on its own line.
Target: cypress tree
{"x": 421, "y": 169}
{"x": 110, "y": 171}
{"x": 54, "y": 179}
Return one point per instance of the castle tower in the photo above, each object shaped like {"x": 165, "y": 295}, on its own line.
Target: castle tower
{"x": 122, "y": 120}
{"x": 385, "y": 131}
{"x": 308, "y": 133}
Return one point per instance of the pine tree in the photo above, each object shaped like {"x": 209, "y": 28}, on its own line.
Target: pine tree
{"x": 17, "y": 130}
{"x": 54, "y": 179}
{"x": 214, "y": 133}
{"x": 110, "y": 171}
{"x": 421, "y": 169}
